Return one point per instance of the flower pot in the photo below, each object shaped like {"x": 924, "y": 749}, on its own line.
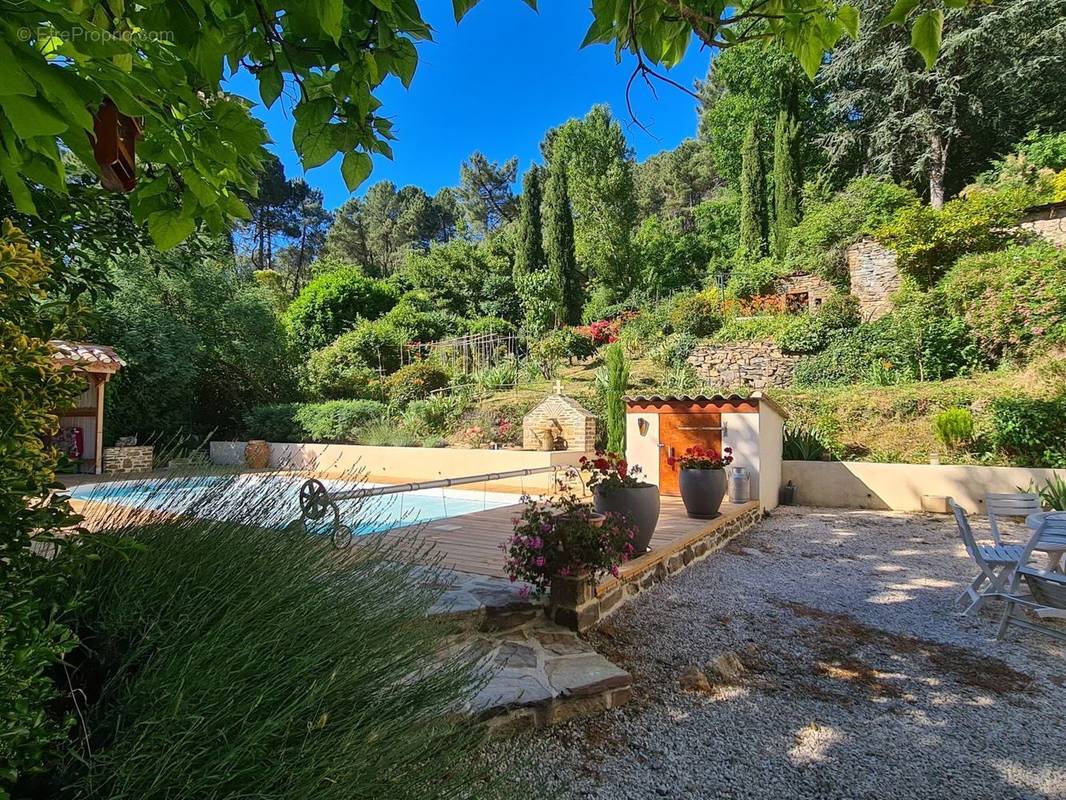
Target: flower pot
{"x": 257, "y": 454}
{"x": 702, "y": 491}
{"x": 638, "y": 504}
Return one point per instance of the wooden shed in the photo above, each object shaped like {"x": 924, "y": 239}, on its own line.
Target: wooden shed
{"x": 660, "y": 427}
{"x": 81, "y": 429}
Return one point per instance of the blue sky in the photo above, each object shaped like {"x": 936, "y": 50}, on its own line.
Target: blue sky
{"x": 496, "y": 82}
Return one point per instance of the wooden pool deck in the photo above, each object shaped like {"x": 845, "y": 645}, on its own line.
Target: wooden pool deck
{"x": 471, "y": 542}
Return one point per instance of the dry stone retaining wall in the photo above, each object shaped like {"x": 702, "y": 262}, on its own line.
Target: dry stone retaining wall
{"x": 127, "y": 460}
{"x": 874, "y": 277}
{"x": 1048, "y": 222}
{"x": 758, "y": 365}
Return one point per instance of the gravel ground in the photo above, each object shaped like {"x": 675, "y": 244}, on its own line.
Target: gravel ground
{"x": 836, "y": 668}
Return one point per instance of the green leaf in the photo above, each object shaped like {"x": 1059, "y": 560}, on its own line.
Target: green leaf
{"x": 849, "y": 18}
{"x": 235, "y": 207}
{"x": 330, "y": 14}
{"x": 899, "y": 13}
{"x": 30, "y": 117}
{"x": 20, "y": 193}
{"x": 355, "y": 168}
{"x": 168, "y": 228}
{"x": 925, "y": 35}
{"x": 460, "y": 7}
{"x": 270, "y": 85}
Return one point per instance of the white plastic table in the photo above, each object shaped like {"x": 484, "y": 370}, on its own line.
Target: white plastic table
{"x": 1056, "y": 547}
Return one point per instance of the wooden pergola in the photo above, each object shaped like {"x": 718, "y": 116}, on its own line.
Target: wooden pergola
{"x": 97, "y": 363}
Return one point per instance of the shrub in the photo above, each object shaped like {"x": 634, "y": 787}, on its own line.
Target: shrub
{"x": 415, "y": 381}
{"x": 332, "y": 302}
{"x": 750, "y": 278}
{"x": 817, "y": 244}
{"x": 276, "y": 423}
{"x": 34, "y": 591}
{"x": 1031, "y": 432}
{"x": 281, "y": 696}
{"x": 339, "y": 371}
{"x": 482, "y": 325}
{"x": 337, "y": 420}
{"x": 540, "y": 302}
{"x": 804, "y": 443}
{"x": 640, "y": 333}
{"x": 1012, "y": 298}
{"x": 673, "y": 351}
{"x": 548, "y": 353}
{"x": 809, "y": 333}
{"x": 434, "y": 415}
{"x": 504, "y": 374}
{"x": 417, "y": 321}
{"x": 696, "y": 314}
{"x": 753, "y": 329}
{"x": 954, "y": 427}
{"x": 378, "y": 345}
{"x": 929, "y": 241}
{"x": 384, "y": 433}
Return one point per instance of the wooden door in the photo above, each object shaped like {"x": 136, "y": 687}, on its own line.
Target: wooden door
{"x": 677, "y": 433}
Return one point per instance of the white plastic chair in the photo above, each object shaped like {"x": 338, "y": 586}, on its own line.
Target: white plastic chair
{"x": 996, "y": 562}
{"x": 1047, "y": 589}
{"x": 1018, "y": 504}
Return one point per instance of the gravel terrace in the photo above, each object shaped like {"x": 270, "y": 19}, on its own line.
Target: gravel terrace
{"x": 829, "y": 663}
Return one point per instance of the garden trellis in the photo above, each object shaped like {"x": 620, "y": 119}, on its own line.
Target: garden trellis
{"x": 466, "y": 354}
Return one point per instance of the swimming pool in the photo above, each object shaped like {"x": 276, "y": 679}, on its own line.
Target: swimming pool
{"x": 273, "y": 500}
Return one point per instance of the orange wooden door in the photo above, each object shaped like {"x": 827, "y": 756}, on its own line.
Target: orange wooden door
{"x": 677, "y": 433}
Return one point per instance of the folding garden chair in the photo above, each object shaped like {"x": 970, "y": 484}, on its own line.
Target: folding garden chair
{"x": 1047, "y": 589}
{"x": 996, "y": 562}
{"x": 1018, "y": 504}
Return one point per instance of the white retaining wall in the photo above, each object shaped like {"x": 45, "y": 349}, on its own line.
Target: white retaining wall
{"x": 899, "y": 487}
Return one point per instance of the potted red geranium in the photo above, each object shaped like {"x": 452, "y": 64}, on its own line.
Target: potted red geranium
{"x": 617, "y": 488}
{"x": 702, "y": 479}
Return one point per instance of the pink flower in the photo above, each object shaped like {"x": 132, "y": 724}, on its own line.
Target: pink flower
{"x": 538, "y": 561}
{"x": 513, "y": 578}
{"x": 615, "y": 571}
{"x": 536, "y": 543}
{"x": 523, "y": 592}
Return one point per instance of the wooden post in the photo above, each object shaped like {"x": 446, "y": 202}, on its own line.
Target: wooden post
{"x": 100, "y": 381}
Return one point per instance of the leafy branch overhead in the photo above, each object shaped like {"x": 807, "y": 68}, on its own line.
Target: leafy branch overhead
{"x": 167, "y": 63}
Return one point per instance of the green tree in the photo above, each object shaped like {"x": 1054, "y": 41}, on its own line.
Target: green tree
{"x": 529, "y": 254}
{"x": 788, "y": 178}
{"x": 674, "y": 182}
{"x": 559, "y": 248}
{"x": 748, "y": 82}
{"x": 1000, "y": 75}
{"x": 469, "y": 279}
{"x": 485, "y": 194}
{"x": 202, "y": 346}
{"x": 753, "y": 211}
{"x": 599, "y": 172}
{"x": 332, "y": 303}
{"x": 613, "y": 383}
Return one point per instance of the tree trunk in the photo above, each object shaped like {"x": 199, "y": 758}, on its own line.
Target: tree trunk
{"x": 938, "y": 149}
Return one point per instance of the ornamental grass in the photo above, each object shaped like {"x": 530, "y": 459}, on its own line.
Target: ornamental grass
{"x": 223, "y": 658}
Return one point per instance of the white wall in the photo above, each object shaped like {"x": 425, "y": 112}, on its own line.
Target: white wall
{"x": 643, "y": 449}
{"x": 771, "y": 446}
{"x": 741, "y": 432}
{"x": 899, "y": 487}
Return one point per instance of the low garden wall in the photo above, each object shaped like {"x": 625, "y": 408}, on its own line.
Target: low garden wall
{"x": 403, "y": 464}
{"x": 899, "y": 487}
{"x": 758, "y": 365}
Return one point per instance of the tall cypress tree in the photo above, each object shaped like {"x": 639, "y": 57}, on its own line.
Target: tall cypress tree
{"x": 788, "y": 178}
{"x": 753, "y": 211}
{"x": 529, "y": 254}
{"x": 559, "y": 246}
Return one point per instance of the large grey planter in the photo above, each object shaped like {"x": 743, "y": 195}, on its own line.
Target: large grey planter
{"x": 639, "y": 505}
{"x": 702, "y": 491}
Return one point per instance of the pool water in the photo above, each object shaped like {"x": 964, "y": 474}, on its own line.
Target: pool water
{"x": 273, "y": 500}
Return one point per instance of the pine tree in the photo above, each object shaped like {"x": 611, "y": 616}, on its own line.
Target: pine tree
{"x": 753, "y": 211}
{"x": 787, "y": 178}
{"x": 559, "y": 246}
{"x": 529, "y": 254}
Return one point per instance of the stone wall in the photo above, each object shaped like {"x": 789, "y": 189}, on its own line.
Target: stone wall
{"x": 757, "y": 365}
{"x": 874, "y": 277}
{"x": 1047, "y": 221}
{"x": 567, "y": 418}
{"x": 814, "y": 286}
{"x": 127, "y": 460}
